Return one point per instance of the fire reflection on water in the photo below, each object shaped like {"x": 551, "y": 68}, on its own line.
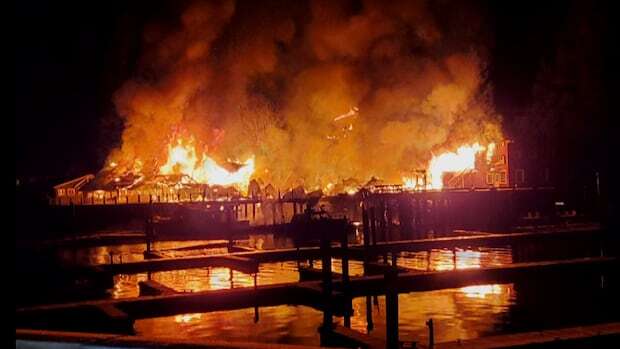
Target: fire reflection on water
{"x": 461, "y": 313}
{"x": 185, "y": 318}
{"x": 481, "y": 291}
{"x": 206, "y": 279}
{"x": 215, "y": 278}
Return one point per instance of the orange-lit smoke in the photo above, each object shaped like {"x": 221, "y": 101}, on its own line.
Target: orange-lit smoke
{"x": 304, "y": 93}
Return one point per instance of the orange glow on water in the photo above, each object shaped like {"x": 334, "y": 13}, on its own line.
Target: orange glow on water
{"x": 481, "y": 291}
{"x": 185, "y": 318}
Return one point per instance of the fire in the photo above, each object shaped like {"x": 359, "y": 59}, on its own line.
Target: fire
{"x": 183, "y": 159}
{"x": 460, "y": 161}
{"x": 215, "y": 174}
{"x": 413, "y": 183}
{"x": 490, "y": 152}
{"x": 464, "y": 159}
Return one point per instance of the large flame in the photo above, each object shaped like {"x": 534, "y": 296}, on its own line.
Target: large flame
{"x": 460, "y": 161}
{"x": 183, "y": 159}
{"x": 464, "y": 159}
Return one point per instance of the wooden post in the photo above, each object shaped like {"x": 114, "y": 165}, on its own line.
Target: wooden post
{"x": 230, "y": 243}
{"x": 431, "y": 334}
{"x": 373, "y": 226}
{"x": 344, "y": 246}
{"x": 365, "y": 227}
{"x": 428, "y": 260}
{"x": 366, "y": 234}
{"x": 382, "y": 222}
{"x": 369, "y": 323}
{"x": 231, "y": 278}
{"x": 389, "y": 218}
{"x": 326, "y": 272}
{"x": 454, "y": 257}
{"x": 391, "y": 308}
{"x": 256, "y": 314}
{"x": 149, "y": 233}
{"x": 282, "y": 217}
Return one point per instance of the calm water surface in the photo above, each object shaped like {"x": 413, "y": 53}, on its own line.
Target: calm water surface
{"x": 459, "y": 313}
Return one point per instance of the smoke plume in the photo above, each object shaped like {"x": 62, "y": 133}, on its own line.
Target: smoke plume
{"x": 318, "y": 92}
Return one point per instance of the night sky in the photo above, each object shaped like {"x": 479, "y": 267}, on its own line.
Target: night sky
{"x": 70, "y": 58}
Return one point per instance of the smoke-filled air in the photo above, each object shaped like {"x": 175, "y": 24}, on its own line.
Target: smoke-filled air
{"x": 289, "y": 93}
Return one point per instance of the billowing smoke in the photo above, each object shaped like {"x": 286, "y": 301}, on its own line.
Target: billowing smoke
{"x": 319, "y": 91}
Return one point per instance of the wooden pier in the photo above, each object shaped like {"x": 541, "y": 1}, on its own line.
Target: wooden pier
{"x": 39, "y": 339}
{"x": 355, "y": 252}
{"x": 69, "y": 316}
{"x": 600, "y": 336}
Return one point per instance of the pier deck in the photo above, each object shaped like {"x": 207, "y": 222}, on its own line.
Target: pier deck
{"x": 303, "y": 293}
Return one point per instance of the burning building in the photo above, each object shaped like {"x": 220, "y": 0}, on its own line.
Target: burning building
{"x": 323, "y": 96}
{"x": 472, "y": 167}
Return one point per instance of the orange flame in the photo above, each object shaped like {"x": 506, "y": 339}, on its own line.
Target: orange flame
{"x": 182, "y": 159}
{"x": 463, "y": 160}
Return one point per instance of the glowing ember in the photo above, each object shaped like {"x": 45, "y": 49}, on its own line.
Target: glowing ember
{"x": 464, "y": 159}
{"x": 352, "y": 112}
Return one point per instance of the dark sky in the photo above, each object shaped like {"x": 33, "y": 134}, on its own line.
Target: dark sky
{"x": 70, "y": 58}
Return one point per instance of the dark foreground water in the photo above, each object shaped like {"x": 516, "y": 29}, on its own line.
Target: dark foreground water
{"x": 460, "y": 313}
